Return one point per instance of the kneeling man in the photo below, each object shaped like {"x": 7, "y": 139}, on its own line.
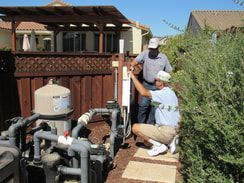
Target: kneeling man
{"x": 167, "y": 115}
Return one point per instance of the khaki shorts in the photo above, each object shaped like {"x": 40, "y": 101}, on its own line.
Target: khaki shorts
{"x": 163, "y": 134}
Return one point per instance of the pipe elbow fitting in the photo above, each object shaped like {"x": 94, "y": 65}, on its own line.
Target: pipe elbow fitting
{"x": 85, "y": 118}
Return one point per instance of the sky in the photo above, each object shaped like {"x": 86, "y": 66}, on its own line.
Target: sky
{"x": 148, "y": 12}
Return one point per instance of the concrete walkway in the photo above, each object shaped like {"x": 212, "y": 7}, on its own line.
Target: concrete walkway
{"x": 143, "y": 168}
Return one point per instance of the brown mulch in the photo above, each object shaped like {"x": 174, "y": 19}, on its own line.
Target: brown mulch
{"x": 98, "y": 132}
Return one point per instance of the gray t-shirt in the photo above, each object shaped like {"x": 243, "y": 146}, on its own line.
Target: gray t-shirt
{"x": 152, "y": 66}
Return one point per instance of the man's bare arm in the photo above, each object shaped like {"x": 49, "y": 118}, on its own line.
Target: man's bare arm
{"x": 141, "y": 89}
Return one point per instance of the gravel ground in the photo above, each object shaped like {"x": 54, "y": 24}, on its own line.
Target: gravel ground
{"x": 98, "y": 131}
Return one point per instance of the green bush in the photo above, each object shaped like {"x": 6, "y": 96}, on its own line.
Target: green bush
{"x": 212, "y": 140}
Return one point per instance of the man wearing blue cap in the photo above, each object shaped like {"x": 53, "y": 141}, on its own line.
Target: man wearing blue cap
{"x": 153, "y": 61}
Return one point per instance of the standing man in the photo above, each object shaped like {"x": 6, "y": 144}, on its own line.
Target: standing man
{"x": 153, "y": 61}
{"x": 167, "y": 115}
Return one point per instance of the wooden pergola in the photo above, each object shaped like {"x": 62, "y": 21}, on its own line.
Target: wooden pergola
{"x": 68, "y": 18}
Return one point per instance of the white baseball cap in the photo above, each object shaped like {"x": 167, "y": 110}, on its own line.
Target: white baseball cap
{"x": 163, "y": 76}
{"x": 153, "y": 43}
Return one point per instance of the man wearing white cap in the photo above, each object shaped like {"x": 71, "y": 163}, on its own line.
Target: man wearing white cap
{"x": 153, "y": 61}
{"x": 167, "y": 115}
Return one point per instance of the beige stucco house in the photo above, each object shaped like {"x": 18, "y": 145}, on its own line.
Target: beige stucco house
{"x": 215, "y": 20}
{"x": 135, "y": 36}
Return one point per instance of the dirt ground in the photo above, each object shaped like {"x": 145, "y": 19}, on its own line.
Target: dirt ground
{"x": 98, "y": 131}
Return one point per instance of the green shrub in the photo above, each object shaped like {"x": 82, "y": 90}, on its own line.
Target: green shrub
{"x": 212, "y": 139}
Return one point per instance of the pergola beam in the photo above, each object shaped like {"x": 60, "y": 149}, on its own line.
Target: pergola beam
{"x": 59, "y": 11}
{"x": 44, "y": 11}
{"x": 78, "y": 11}
{"x": 64, "y": 19}
{"x": 53, "y": 17}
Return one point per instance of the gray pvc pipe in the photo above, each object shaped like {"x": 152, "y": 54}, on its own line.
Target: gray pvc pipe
{"x": 70, "y": 171}
{"x": 84, "y": 143}
{"x": 113, "y": 131}
{"x": 12, "y": 132}
{"x": 4, "y": 142}
{"x": 54, "y": 132}
{"x": 101, "y": 110}
{"x": 28, "y": 121}
{"x": 84, "y": 160}
{"x": 20, "y": 123}
{"x": 42, "y": 135}
{"x": 67, "y": 125}
{"x": 76, "y": 130}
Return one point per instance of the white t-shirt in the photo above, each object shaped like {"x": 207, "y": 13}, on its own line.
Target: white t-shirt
{"x": 167, "y": 110}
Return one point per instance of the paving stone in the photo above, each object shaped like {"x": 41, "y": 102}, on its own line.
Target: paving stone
{"x": 150, "y": 172}
{"x": 142, "y": 153}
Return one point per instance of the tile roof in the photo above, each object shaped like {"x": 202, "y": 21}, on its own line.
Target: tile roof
{"x": 139, "y": 25}
{"x": 58, "y": 3}
{"x": 23, "y": 26}
{"x": 219, "y": 19}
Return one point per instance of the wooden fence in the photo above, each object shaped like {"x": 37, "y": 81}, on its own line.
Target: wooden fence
{"x": 90, "y": 78}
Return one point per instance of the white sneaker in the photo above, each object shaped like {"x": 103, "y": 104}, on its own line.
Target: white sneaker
{"x": 173, "y": 144}
{"x": 156, "y": 150}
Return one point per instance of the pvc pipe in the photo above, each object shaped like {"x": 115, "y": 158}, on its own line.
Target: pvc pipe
{"x": 41, "y": 135}
{"x": 12, "y": 132}
{"x": 28, "y": 121}
{"x": 54, "y": 132}
{"x": 113, "y": 131}
{"x": 85, "y": 143}
{"x": 69, "y": 171}
{"x": 20, "y": 123}
{"x": 67, "y": 125}
{"x": 101, "y": 110}
{"x": 84, "y": 120}
{"x": 4, "y": 142}
{"x": 84, "y": 161}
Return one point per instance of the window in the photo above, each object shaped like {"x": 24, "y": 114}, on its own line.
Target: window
{"x": 110, "y": 42}
{"x": 74, "y": 41}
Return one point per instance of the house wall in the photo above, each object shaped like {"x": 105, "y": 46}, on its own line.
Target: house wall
{"x": 89, "y": 41}
{"x": 132, "y": 39}
{"x": 127, "y": 36}
{"x": 60, "y": 42}
{"x": 137, "y": 40}
{"x": 193, "y": 26}
{"x": 5, "y": 39}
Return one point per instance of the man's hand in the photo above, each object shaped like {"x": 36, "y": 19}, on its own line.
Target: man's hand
{"x": 140, "y": 88}
{"x": 130, "y": 72}
{"x": 133, "y": 63}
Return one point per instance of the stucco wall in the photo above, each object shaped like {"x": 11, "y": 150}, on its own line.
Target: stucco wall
{"x": 5, "y": 39}
{"x": 193, "y": 26}
{"x": 60, "y": 42}
{"x": 90, "y": 41}
{"x": 137, "y": 40}
{"x": 132, "y": 39}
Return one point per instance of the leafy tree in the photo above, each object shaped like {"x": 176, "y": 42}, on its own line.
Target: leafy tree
{"x": 210, "y": 75}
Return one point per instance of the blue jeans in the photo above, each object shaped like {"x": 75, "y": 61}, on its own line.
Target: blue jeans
{"x": 146, "y": 112}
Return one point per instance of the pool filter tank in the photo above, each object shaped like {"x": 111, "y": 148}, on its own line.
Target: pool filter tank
{"x": 53, "y": 103}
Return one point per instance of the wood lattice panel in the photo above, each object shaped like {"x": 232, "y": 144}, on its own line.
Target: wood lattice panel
{"x": 59, "y": 65}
